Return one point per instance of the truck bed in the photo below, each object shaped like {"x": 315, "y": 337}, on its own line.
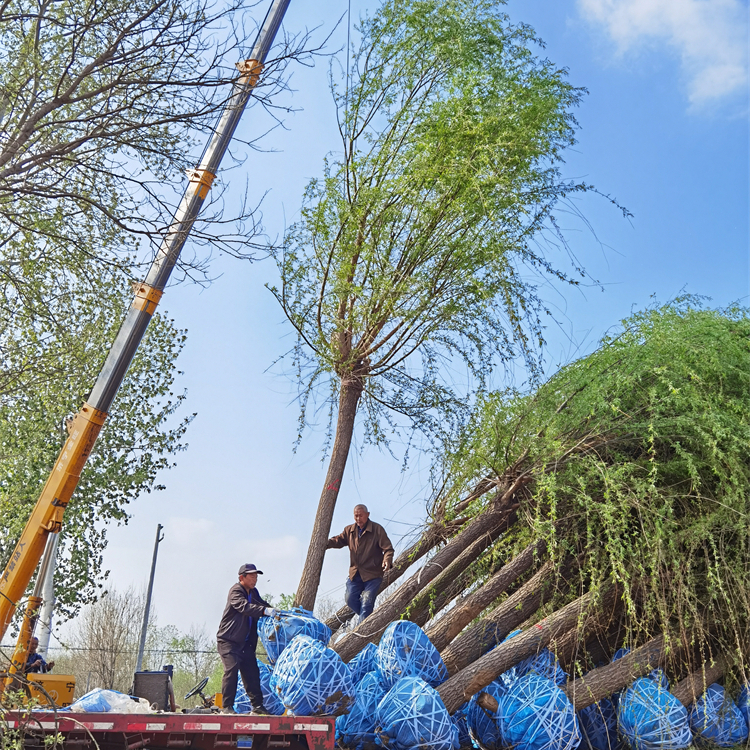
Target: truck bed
{"x": 111, "y": 731}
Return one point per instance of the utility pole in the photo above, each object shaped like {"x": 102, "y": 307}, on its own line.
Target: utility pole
{"x": 144, "y": 628}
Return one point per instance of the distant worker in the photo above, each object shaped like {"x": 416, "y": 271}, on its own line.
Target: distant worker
{"x": 371, "y": 555}
{"x": 35, "y": 662}
{"x": 238, "y": 637}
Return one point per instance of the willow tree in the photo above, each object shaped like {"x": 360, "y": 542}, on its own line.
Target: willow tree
{"x": 420, "y": 244}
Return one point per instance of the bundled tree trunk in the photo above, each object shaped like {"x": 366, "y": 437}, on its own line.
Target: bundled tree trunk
{"x": 438, "y": 532}
{"x": 491, "y": 629}
{"x": 593, "y": 630}
{"x": 448, "y": 627}
{"x": 430, "y": 602}
{"x": 420, "y": 604}
{"x": 688, "y": 691}
{"x": 501, "y": 515}
{"x": 461, "y": 686}
{"x": 599, "y": 683}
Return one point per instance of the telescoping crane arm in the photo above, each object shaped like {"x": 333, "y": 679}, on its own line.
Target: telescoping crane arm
{"x": 48, "y": 512}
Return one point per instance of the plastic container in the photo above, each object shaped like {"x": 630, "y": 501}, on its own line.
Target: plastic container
{"x": 59, "y": 687}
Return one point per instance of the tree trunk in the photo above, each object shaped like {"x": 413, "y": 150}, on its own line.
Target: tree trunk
{"x": 420, "y": 604}
{"x": 438, "y": 532}
{"x": 307, "y": 590}
{"x": 570, "y": 646}
{"x": 483, "y": 526}
{"x": 491, "y": 629}
{"x": 429, "y": 607}
{"x": 598, "y": 683}
{"x": 688, "y": 691}
{"x": 448, "y": 627}
{"x": 469, "y": 681}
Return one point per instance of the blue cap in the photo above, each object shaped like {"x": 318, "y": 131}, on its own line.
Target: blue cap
{"x": 249, "y": 568}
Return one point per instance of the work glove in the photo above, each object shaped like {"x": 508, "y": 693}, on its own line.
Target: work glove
{"x": 270, "y": 612}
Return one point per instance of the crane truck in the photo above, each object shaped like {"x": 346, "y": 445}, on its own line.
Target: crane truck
{"x": 129, "y": 731}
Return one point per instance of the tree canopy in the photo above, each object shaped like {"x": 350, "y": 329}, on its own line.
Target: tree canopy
{"x": 634, "y": 461}
{"x": 424, "y": 242}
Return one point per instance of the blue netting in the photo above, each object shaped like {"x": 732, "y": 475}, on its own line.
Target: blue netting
{"x": 715, "y": 718}
{"x": 743, "y": 702}
{"x": 311, "y": 680}
{"x": 536, "y": 715}
{"x": 276, "y": 632}
{"x": 598, "y": 725}
{"x": 363, "y": 662}
{"x": 411, "y": 716}
{"x": 651, "y": 718}
{"x": 406, "y": 651}
{"x": 484, "y": 725}
{"x": 462, "y": 726}
{"x": 544, "y": 663}
{"x": 271, "y": 701}
{"x": 356, "y": 729}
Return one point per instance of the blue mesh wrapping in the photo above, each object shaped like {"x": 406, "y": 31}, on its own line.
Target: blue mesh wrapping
{"x": 462, "y": 725}
{"x": 536, "y": 715}
{"x": 715, "y": 718}
{"x": 406, "y": 651}
{"x": 271, "y": 701}
{"x": 483, "y": 724}
{"x": 356, "y": 729}
{"x": 311, "y": 680}
{"x": 544, "y": 663}
{"x": 598, "y": 725}
{"x": 620, "y": 653}
{"x": 411, "y": 716}
{"x": 276, "y": 632}
{"x": 363, "y": 662}
{"x": 651, "y": 718}
{"x": 743, "y": 703}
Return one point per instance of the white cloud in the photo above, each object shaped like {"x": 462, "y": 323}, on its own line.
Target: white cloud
{"x": 711, "y": 37}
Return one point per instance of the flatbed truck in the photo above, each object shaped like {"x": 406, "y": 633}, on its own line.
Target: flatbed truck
{"x": 162, "y": 731}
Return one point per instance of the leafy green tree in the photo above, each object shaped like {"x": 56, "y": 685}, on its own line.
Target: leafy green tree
{"x": 425, "y": 241}
{"x": 634, "y": 461}
{"x": 103, "y": 106}
{"x": 142, "y": 432}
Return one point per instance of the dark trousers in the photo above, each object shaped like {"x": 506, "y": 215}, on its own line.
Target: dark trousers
{"x": 360, "y": 595}
{"x": 236, "y": 658}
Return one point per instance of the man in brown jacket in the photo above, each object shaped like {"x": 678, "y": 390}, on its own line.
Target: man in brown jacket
{"x": 371, "y": 555}
{"x": 238, "y": 637}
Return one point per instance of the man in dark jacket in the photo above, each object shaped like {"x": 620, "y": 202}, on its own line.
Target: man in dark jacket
{"x": 371, "y": 555}
{"x": 238, "y": 637}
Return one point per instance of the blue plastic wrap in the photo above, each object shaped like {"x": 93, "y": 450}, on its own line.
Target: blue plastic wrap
{"x": 363, "y": 662}
{"x": 544, "y": 663}
{"x": 412, "y": 716}
{"x": 536, "y": 715}
{"x": 356, "y": 730}
{"x": 406, "y": 651}
{"x": 715, "y": 718}
{"x": 271, "y": 701}
{"x": 598, "y": 725}
{"x": 100, "y": 700}
{"x": 311, "y": 680}
{"x": 484, "y": 725}
{"x": 651, "y": 718}
{"x": 276, "y": 632}
{"x": 462, "y": 726}
{"x": 743, "y": 702}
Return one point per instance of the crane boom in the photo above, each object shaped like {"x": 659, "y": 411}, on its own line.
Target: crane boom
{"x": 48, "y": 512}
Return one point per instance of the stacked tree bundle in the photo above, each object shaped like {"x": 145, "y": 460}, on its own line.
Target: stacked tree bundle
{"x": 607, "y": 508}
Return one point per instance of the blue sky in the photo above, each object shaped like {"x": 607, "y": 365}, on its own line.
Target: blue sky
{"x": 664, "y": 129}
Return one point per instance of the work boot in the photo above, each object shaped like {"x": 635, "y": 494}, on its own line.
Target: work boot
{"x": 260, "y": 711}
{"x": 228, "y": 711}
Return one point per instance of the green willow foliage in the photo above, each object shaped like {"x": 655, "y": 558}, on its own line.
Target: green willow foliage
{"x": 426, "y": 237}
{"x": 50, "y": 361}
{"x": 639, "y": 454}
